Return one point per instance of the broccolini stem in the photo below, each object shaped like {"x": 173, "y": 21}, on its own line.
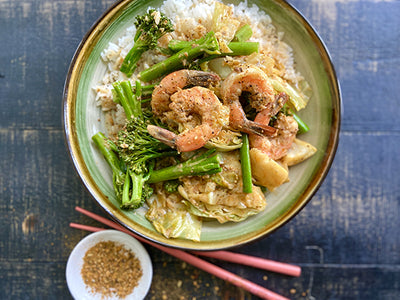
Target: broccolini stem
{"x": 126, "y": 190}
{"x": 178, "y": 45}
{"x": 147, "y": 90}
{"x": 145, "y": 93}
{"x": 238, "y": 48}
{"x": 123, "y": 100}
{"x": 128, "y": 100}
{"x": 138, "y": 91}
{"x": 181, "y": 58}
{"x": 130, "y": 61}
{"x": 133, "y": 189}
{"x": 302, "y": 126}
{"x": 242, "y": 48}
{"x": 195, "y": 166}
{"x": 105, "y": 146}
{"x": 133, "y": 98}
{"x": 246, "y": 165}
{"x": 111, "y": 157}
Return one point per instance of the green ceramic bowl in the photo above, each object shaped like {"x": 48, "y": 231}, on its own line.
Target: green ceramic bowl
{"x": 81, "y": 121}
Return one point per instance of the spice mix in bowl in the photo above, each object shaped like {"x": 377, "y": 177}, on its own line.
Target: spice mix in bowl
{"x": 96, "y": 264}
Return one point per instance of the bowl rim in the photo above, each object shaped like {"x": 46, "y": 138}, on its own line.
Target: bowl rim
{"x": 70, "y": 136}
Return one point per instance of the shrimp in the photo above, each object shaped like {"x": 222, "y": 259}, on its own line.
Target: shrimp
{"x": 275, "y": 146}
{"x": 251, "y": 79}
{"x": 201, "y": 115}
{"x": 176, "y": 81}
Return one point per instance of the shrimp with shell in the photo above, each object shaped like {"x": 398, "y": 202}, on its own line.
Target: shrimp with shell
{"x": 254, "y": 81}
{"x": 199, "y": 114}
{"x": 175, "y": 82}
{"x": 277, "y": 145}
{"x": 276, "y": 140}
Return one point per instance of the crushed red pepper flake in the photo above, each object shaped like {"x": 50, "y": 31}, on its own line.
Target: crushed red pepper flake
{"x": 111, "y": 269}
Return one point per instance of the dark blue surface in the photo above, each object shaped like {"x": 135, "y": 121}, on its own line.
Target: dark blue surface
{"x": 346, "y": 240}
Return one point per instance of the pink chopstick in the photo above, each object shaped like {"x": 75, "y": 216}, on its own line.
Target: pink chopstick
{"x": 252, "y": 261}
{"x": 256, "y": 262}
{"x": 187, "y": 257}
{"x": 243, "y": 259}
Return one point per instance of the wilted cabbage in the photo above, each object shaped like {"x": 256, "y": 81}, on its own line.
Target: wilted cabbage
{"x": 220, "y": 196}
{"x": 169, "y": 216}
{"x": 226, "y": 140}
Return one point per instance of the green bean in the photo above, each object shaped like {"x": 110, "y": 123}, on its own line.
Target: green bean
{"x": 303, "y": 127}
{"x": 246, "y": 165}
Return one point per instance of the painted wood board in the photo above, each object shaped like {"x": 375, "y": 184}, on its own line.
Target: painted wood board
{"x": 346, "y": 240}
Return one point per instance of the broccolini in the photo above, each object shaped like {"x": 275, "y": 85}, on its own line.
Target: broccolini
{"x": 149, "y": 28}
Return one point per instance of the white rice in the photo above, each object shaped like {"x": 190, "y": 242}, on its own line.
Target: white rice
{"x": 190, "y": 18}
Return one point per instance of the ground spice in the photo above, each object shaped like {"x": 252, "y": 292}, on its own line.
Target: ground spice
{"x": 111, "y": 269}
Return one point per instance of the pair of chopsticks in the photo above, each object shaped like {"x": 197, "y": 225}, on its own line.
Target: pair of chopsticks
{"x": 243, "y": 259}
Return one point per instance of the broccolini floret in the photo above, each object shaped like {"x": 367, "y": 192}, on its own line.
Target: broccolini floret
{"x": 137, "y": 149}
{"x": 149, "y": 28}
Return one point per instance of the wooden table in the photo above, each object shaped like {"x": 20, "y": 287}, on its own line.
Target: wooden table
{"x": 346, "y": 240}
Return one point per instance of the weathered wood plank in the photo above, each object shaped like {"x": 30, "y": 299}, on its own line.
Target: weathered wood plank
{"x": 39, "y": 189}
{"x": 25, "y": 280}
{"x": 38, "y": 40}
{"x": 363, "y": 39}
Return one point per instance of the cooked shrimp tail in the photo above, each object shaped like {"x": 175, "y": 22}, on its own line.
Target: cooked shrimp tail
{"x": 163, "y": 135}
{"x": 200, "y": 78}
{"x": 253, "y": 80}
{"x": 239, "y": 122}
{"x": 258, "y": 128}
{"x": 280, "y": 101}
{"x": 188, "y": 141}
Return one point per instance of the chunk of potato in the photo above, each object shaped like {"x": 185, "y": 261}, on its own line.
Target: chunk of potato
{"x": 299, "y": 152}
{"x": 266, "y": 171}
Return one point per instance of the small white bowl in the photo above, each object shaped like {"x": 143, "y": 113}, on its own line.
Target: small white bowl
{"x": 76, "y": 285}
